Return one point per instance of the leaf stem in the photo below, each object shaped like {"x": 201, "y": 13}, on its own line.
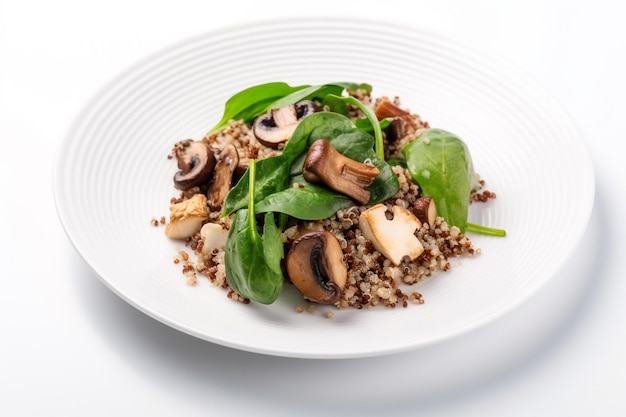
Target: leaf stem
{"x": 252, "y": 176}
{"x": 476, "y": 228}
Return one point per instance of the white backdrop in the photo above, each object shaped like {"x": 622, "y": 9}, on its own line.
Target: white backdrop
{"x": 70, "y": 347}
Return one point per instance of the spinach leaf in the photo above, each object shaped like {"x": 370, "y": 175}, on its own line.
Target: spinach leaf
{"x": 319, "y": 125}
{"x": 336, "y": 105}
{"x": 276, "y": 175}
{"x": 441, "y": 164}
{"x": 253, "y": 260}
{"x": 397, "y": 162}
{"x": 366, "y": 126}
{"x": 256, "y": 100}
{"x": 309, "y": 93}
{"x": 348, "y": 140}
{"x": 305, "y": 202}
{"x": 272, "y": 176}
{"x": 371, "y": 116}
{"x": 253, "y": 101}
{"x": 339, "y": 105}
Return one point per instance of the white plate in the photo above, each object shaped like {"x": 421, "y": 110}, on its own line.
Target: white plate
{"x": 112, "y": 177}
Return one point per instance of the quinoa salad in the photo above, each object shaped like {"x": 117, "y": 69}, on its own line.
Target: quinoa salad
{"x": 344, "y": 195}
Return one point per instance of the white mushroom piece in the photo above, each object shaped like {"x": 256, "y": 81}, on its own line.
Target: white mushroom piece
{"x": 214, "y": 236}
{"x": 186, "y": 217}
{"x": 277, "y": 126}
{"x": 394, "y": 238}
{"x": 324, "y": 164}
{"x": 315, "y": 265}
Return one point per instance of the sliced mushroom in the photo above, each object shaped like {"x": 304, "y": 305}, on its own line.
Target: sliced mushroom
{"x": 277, "y": 126}
{"x": 186, "y": 218}
{"x": 316, "y": 267}
{"x": 394, "y": 238}
{"x": 401, "y": 120}
{"x": 425, "y": 210}
{"x": 386, "y": 109}
{"x": 242, "y": 167}
{"x": 228, "y": 160}
{"x": 323, "y": 164}
{"x": 396, "y": 130}
{"x": 195, "y": 161}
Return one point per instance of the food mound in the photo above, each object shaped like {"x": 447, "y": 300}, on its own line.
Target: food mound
{"x": 351, "y": 199}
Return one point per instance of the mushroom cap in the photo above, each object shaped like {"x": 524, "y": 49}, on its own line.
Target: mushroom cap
{"x": 195, "y": 162}
{"x": 277, "y": 126}
{"x": 316, "y": 267}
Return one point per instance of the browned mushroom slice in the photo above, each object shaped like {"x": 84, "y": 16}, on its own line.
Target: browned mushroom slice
{"x": 323, "y": 164}
{"x": 277, "y": 126}
{"x": 396, "y": 130}
{"x": 228, "y": 160}
{"x": 387, "y": 109}
{"x": 195, "y": 162}
{"x": 316, "y": 267}
{"x": 242, "y": 167}
{"x": 425, "y": 210}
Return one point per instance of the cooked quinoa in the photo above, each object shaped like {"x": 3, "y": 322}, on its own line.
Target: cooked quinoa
{"x": 373, "y": 280}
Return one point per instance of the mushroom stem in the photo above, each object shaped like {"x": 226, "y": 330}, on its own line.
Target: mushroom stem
{"x": 323, "y": 164}
{"x": 285, "y": 115}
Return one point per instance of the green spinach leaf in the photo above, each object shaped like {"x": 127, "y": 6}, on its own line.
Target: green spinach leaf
{"x": 371, "y": 117}
{"x": 305, "y": 202}
{"x": 253, "y": 260}
{"x": 272, "y": 176}
{"x": 276, "y": 175}
{"x": 253, "y": 101}
{"x": 348, "y": 140}
{"x": 366, "y": 125}
{"x": 441, "y": 164}
{"x": 309, "y": 93}
{"x": 325, "y": 125}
